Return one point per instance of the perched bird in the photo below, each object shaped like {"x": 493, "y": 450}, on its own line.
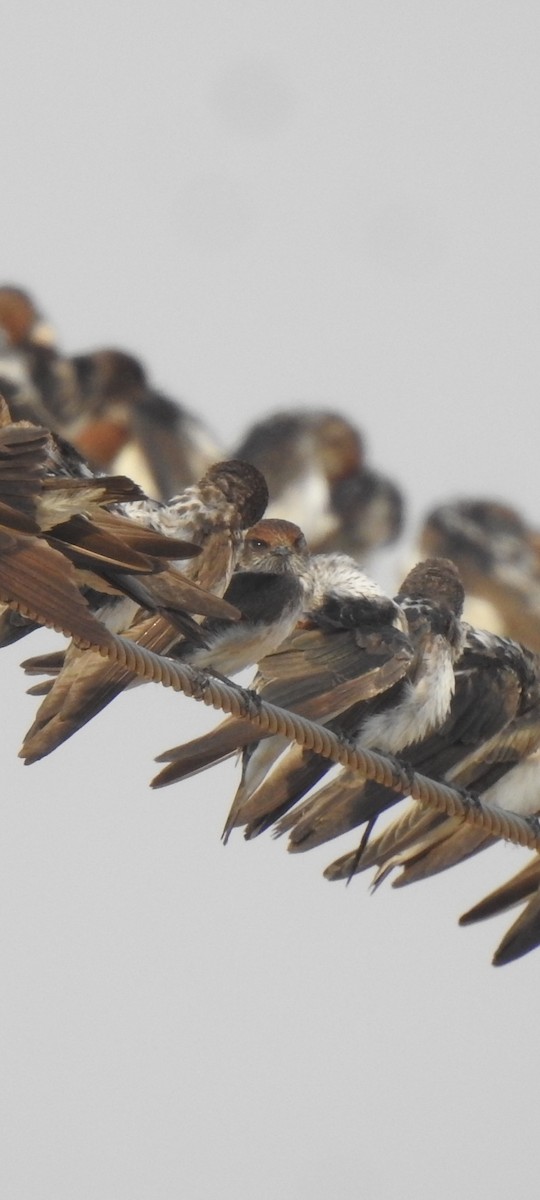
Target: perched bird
{"x": 488, "y": 743}
{"x": 267, "y": 588}
{"x": 35, "y": 379}
{"x": 110, "y": 385}
{"x": 36, "y": 578}
{"x": 45, "y": 481}
{"x": 214, "y": 514}
{"x": 301, "y": 454}
{"x": 507, "y": 781}
{"x": 369, "y": 514}
{"x": 314, "y": 464}
{"x": 383, "y": 659}
{"x": 102, "y": 402}
{"x": 124, "y": 424}
{"x": 499, "y": 561}
{"x": 20, "y": 321}
{"x": 524, "y": 935}
{"x": 430, "y": 600}
{"x": 349, "y": 648}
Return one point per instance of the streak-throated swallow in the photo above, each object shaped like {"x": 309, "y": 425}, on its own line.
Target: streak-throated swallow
{"x": 499, "y": 561}
{"x": 102, "y": 402}
{"x": 268, "y": 591}
{"x": 487, "y": 744}
{"x": 302, "y": 454}
{"x": 314, "y": 464}
{"x": 35, "y": 576}
{"x": 214, "y": 514}
{"x": 430, "y": 600}
{"x": 268, "y": 587}
{"x": 46, "y": 484}
{"x": 349, "y": 647}
{"x": 368, "y": 510}
{"x": 35, "y": 378}
{"x": 124, "y": 424}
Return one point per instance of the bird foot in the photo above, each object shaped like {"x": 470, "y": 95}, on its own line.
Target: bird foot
{"x": 403, "y": 768}
{"x": 534, "y": 825}
{"x": 471, "y": 799}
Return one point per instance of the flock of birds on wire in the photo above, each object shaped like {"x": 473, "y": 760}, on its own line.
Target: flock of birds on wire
{"x": 255, "y": 562}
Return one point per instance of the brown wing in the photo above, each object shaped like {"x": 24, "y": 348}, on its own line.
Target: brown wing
{"x": 333, "y": 810}
{"x": 86, "y": 684}
{"x": 315, "y": 674}
{"x": 37, "y": 580}
{"x": 370, "y": 664}
{"x": 288, "y": 778}
{"x": 146, "y": 541}
{"x": 22, "y": 465}
{"x": 522, "y": 937}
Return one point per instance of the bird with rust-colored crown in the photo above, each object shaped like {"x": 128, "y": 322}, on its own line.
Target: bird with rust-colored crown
{"x": 268, "y": 590}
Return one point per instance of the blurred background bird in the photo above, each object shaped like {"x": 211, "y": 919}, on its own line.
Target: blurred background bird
{"x": 498, "y": 557}
{"x": 101, "y": 401}
{"x": 314, "y": 463}
{"x": 104, "y": 403}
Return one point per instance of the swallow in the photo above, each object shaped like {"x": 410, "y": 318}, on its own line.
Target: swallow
{"x": 431, "y": 601}
{"x": 35, "y": 577}
{"x": 487, "y": 743}
{"x": 20, "y": 320}
{"x": 268, "y": 588}
{"x": 125, "y": 425}
{"x": 349, "y": 647}
{"x": 314, "y": 463}
{"x": 369, "y": 512}
{"x": 33, "y": 500}
{"x": 524, "y": 935}
{"x": 302, "y": 455}
{"x": 35, "y": 378}
{"x": 508, "y": 781}
{"x": 102, "y": 402}
{"x": 214, "y": 514}
{"x": 45, "y": 481}
{"x": 499, "y": 561}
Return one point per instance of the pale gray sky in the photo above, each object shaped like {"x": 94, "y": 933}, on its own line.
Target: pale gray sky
{"x": 269, "y": 202}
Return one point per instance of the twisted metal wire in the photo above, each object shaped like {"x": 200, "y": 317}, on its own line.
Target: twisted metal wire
{"x": 247, "y": 705}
